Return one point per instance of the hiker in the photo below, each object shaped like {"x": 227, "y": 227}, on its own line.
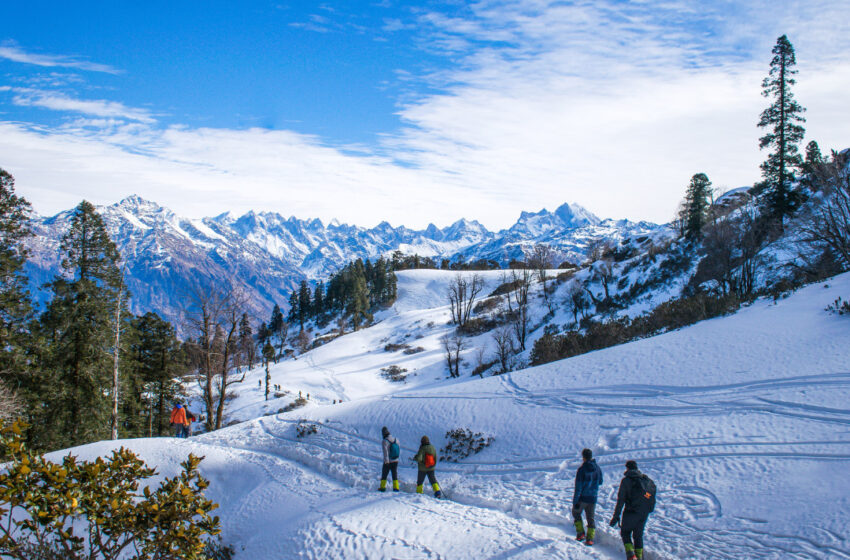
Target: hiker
{"x": 636, "y": 499}
{"x": 391, "y": 450}
{"x": 178, "y": 420}
{"x": 187, "y": 429}
{"x": 588, "y": 480}
{"x": 426, "y": 458}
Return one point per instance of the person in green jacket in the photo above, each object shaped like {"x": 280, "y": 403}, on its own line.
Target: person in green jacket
{"x": 426, "y": 458}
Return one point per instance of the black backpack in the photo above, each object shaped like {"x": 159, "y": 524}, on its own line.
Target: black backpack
{"x": 642, "y": 498}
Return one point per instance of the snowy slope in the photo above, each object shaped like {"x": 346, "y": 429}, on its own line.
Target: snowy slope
{"x": 742, "y": 421}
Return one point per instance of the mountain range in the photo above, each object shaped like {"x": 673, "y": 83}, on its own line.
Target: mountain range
{"x": 266, "y": 255}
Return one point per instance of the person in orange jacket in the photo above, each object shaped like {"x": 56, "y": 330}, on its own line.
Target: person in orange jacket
{"x": 178, "y": 420}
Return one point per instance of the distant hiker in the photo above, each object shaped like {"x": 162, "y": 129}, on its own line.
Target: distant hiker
{"x": 391, "y": 450}
{"x": 259, "y": 382}
{"x": 178, "y": 420}
{"x": 426, "y": 458}
{"x": 187, "y": 429}
{"x": 588, "y": 480}
{"x": 637, "y": 496}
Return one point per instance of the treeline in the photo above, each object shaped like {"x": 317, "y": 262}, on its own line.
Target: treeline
{"x": 59, "y": 368}
{"x": 351, "y": 293}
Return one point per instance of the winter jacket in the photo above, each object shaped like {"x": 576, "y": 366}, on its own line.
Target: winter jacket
{"x": 420, "y": 457}
{"x": 178, "y": 415}
{"x": 385, "y": 445}
{"x": 588, "y": 480}
{"x": 629, "y": 485}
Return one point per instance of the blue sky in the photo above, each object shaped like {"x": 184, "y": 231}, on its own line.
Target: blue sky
{"x": 409, "y": 112}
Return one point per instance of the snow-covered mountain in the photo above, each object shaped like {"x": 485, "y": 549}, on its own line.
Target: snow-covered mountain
{"x": 267, "y": 255}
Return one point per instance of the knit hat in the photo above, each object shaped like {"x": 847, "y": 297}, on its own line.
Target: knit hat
{"x": 586, "y": 454}
{"x": 385, "y": 431}
{"x": 425, "y": 440}
{"x": 631, "y": 465}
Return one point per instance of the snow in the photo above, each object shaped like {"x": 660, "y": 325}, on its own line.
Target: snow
{"x": 742, "y": 421}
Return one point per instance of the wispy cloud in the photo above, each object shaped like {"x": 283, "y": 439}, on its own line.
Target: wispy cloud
{"x": 16, "y": 54}
{"x": 610, "y": 104}
{"x": 27, "y": 97}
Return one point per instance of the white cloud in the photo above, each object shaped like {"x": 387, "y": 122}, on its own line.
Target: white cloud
{"x": 612, "y": 105}
{"x": 54, "y": 101}
{"x": 16, "y": 54}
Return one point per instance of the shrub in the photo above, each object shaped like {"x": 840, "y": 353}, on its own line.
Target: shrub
{"x": 414, "y": 350}
{"x": 487, "y": 304}
{"x": 394, "y": 373}
{"x": 505, "y": 288}
{"x": 306, "y": 428}
{"x": 477, "y": 325}
{"x": 462, "y": 443}
{"x": 94, "y": 509}
{"x": 839, "y": 306}
{"x": 297, "y": 403}
{"x": 391, "y": 347}
{"x": 597, "y": 335}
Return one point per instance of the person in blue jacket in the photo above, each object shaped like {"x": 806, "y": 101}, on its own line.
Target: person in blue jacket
{"x": 588, "y": 480}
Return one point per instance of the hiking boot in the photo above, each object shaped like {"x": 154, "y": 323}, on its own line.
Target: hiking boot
{"x": 438, "y": 494}
{"x": 395, "y": 489}
{"x": 589, "y": 542}
{"x": 382, "y": 489}
{"x": 580, "y": 537}
{"x": 631, "y": 556}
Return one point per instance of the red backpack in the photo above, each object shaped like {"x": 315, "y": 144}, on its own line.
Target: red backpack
{"x": 430, "y": 460}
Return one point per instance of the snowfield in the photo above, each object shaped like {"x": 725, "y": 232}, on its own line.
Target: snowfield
{"x": 742, "y": 421}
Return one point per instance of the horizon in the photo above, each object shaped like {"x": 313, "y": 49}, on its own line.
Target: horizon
{"x": 337, "y": 222}
{"x": 407, "y": 113}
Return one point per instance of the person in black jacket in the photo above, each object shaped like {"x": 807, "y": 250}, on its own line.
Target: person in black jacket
{"x": 630, "y": 501}
{"x": 588, "y": 480}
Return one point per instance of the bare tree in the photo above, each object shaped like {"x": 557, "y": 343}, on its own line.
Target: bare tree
{"x": 576, "y": 300}
{"x": 603, "y": 271}
{"x": 481, "y": 359}
{"x": 462, "y": 294}
{"x": 830, "y": 225}
{"x": 521, "y": 278}
{"x": 504, "y": 340}
{"x": 542, "y": 260}
{"x": 303, "y": 341}
{"x": 453, "y": 345}
{"x": 213, "y": 322}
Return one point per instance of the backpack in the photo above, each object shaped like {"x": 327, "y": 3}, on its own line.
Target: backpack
{"x": 395, "y": 451}
{"x": 642, "y": 498}
{"x": 430, "y": 461}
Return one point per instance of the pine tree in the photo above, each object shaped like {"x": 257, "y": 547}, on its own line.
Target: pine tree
{"x": 79, "y": 325}
{"x": 696, "y": 205}
{"x": 246, "y": 341}
{"x": 15, "y": 306}
{"x": 151, "y": 381}
{"x": 814, "y": 157}
{"x": 304, "y": 310}
{"x": 318, "y": 304}
{"x": 782, "y": 119}
{"x": 294, "y": 307}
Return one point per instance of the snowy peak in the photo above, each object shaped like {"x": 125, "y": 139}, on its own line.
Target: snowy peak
{"x": 267, "y": 255}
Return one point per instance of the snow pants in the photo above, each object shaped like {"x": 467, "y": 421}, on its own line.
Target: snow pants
{"x": 432, "y": 478}
{"x": 590, "y": 513}
{"x": 631, "y": 531}
{"x": 389, "y": 468}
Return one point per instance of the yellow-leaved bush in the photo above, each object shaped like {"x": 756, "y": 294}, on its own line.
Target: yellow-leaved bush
{"x": 99, "y": 509}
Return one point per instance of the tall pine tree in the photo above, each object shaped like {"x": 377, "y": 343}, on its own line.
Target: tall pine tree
{"x": 15, "y": 306}
{"x": 696, "y": 205}
{"x": 79, "y": 326}
{"x": 783, "y": 120}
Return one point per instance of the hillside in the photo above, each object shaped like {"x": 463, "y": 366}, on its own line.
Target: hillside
{"x": 741, "y": 420}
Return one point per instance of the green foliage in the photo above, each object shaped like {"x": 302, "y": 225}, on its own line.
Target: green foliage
{"x": 15, "y": 305}
{"x": 78, "y": 327}
{"x": 95, "y": 509}
{"x": 696, "y": 205}
{"x": 783, "y": 120}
